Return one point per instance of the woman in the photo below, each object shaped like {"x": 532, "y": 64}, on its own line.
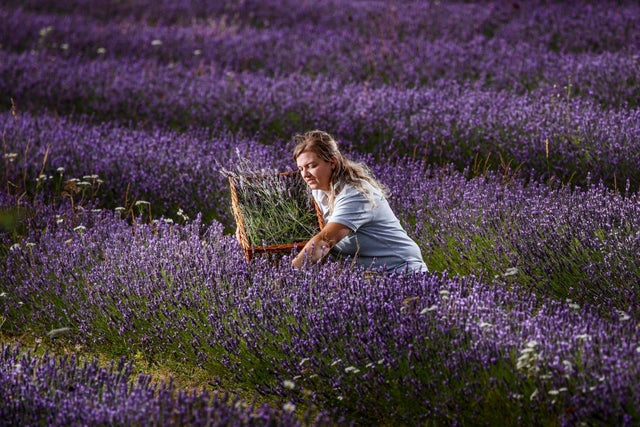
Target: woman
{"x": 359, "y": 224}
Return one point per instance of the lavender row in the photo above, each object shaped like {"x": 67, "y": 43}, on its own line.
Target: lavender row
{"x": 550, "y": 131}
{"x": 610, "y": 78}
{"x": 579, "y": 244}
{"x": 65, "y": 390}
{"x": 561, "y": 241}
{"x": 118, "y": 166}
{"x": 336, "y": 338}
{"x": 575, "y": 27}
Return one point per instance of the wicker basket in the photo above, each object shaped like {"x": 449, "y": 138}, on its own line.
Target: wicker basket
{"x": 247, "y": 247}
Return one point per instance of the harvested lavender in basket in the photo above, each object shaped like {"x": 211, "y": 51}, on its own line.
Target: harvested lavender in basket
{"x": 276, "y": 208}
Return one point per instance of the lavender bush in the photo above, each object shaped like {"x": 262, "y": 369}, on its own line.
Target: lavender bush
{"x": 578, "y": 244}
{"x": 65, "y": 390}
{"x": 554, "y": 135}
{"x": 411, "y": 44}
{"x": 335, "y": 338}
{"x": 507, "y": 133}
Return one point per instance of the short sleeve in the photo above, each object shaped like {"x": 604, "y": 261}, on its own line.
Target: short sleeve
{"x": 351, "y": 208}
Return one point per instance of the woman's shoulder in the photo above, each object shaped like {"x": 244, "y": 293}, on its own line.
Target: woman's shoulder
{"x": 361, "y": 189}
{"x": 348, "y": 190}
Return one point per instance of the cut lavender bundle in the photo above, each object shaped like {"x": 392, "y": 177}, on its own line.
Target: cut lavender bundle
{"x": 273, "y": 211}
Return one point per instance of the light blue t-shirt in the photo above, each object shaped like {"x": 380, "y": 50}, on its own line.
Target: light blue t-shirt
{"x": 377, "y": 238}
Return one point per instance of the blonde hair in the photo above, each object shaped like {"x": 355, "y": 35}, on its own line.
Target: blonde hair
{"x": 345, "y": 172}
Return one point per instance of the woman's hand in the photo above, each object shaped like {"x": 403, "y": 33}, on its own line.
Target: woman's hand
{"x": 320, "y": 244}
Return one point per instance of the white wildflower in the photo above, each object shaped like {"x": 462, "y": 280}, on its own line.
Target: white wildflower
{"x": 511, "y": 271}
{"x": 574, "y": 306}
{"x": 80, "y": 229}
{"x": 101, "y": 51}
{"x": 120, "y": 209}
{"x": 584, "y": 337}
{"x": 534, "y": 394}
{"x": 484, "y": 325}
{"x": 303, "y": 361}
{"x": 3, "y": 294}
{"x": 182, "y": 215}
{"x": 529, "y": 358}
{"x": 156, "y": 42}
{"x": 351, "y": 369}
{"x": 142, "y": 203}
{"x": 197, "y": 52}
{"x": 45, "y": 31}
{"x": 288, "y": 384}
{"x": 428, "y": 309}
{"x": 64, "y": 46}
{"x": 623, "y": 316}
{"x": 335, "y": 362}
{"x": 289, "y": 407}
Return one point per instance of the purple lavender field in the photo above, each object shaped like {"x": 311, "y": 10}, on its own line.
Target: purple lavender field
{"x": 507, "y": 132}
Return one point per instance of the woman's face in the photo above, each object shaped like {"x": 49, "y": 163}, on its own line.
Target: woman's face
{"x": 315, "y": 170}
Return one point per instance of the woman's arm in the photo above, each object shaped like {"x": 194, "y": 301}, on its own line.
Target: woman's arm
{"x": 321, "y": 243}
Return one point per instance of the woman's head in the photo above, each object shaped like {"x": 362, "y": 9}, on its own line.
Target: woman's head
{"x": 318, "y": 158}
{"x": 323, "y": 166}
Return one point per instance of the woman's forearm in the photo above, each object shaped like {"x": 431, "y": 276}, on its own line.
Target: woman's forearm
{"x": 319, "y": 245}
{"x": 313, "y": 251}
